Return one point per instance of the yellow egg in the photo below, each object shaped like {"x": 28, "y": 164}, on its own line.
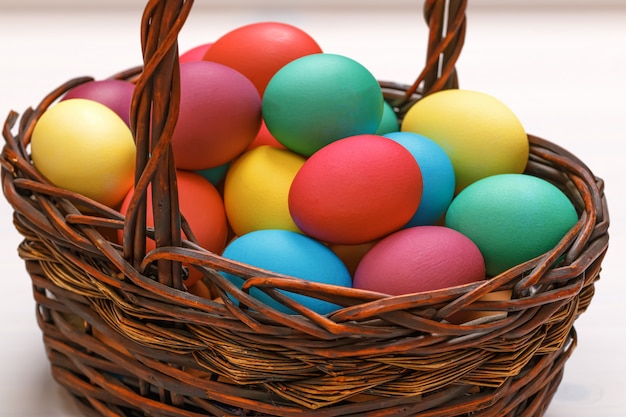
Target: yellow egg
{"x": 256, "y": 189}
{"x": 480, "y": 134}
{"x": 85, "y": 147}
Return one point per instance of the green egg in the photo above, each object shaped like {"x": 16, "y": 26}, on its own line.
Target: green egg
{"x": 320, "y": 98}
{"x": 512, "y": 218}
{"x": 389, "y": 121}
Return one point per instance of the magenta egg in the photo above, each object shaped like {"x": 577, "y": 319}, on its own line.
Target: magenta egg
{"x": 220, "y": 115}
{"x": 418, "y": 259}
{"x": 113, "y": 93}
{"x": 195, "y": 54}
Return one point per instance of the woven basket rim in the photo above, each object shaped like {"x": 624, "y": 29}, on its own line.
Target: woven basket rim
{"x": 120, "y": 340}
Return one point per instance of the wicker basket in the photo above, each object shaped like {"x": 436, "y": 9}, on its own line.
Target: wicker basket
{"x": 125, "y": 338}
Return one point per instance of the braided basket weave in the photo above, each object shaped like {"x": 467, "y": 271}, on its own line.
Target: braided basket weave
{"x": 126, "y": 339}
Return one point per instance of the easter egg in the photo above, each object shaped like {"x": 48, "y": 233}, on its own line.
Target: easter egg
{"x": 259, "y": 50}
{"x": 356, "y": 190}
{"x": 203, "y": 209}
{"x": 220, "y": 115}
{"x": 256, "y": 189}
{"x": 293, "y": 254}
{"x": 388, "y": 121}
{"x": 85, "y": 147}
{"x": 437, "y": 176}
{"x": 419, "y": 259}
{"x": 264, "y": 137}
{"x": 512, "y": 218}
{"x": 351, "y": 255}
{"x": 115, "y": 94}
{"x": 480, "y": 134}
{"x": 318, "y": 99}
{"x": 195, "y": 54}
{"x": 215, "y": 175}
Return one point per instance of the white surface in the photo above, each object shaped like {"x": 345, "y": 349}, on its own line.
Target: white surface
{"x": 563, "y": 74}
{"x": 303, "y": 4}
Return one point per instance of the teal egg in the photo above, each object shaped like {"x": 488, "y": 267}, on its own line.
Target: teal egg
{"x": 215, "y": 175}
{"x": 320, "y": 98}
{"x": 512, "y": 218}
{"x": 389, "y": 120}
{"x": 293, "y": 254}
{"x": 437, "y": 176}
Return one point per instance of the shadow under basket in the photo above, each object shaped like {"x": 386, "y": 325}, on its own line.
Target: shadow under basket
{"x": 126, "y": 344}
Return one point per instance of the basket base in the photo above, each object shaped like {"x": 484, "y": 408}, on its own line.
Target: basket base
{"x": 102, "y": 388}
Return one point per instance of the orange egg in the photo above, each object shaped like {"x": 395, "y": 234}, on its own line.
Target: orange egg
{"x": 203, "y": 208}
{"x": 200, "y": 289}
{"x": 351, "y": 255}
{"x": 259, "y": 50}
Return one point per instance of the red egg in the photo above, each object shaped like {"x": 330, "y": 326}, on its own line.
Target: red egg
{"x": 259, "y": 50}
{"x": 264, "y": 137}
{"x": 203, "y": 208}
{"x": 418, "y": 259}
{"x": 115, "y": 94}
{"x": 194, "y": 54}
{"x": 356, "y": 190}
{"x": 220, "y": 115}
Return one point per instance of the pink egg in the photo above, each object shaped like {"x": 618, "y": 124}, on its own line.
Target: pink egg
{"x": 220, "y": 115}
{"x": 113, "y": 93}
{"x": 418, "y": 259}
{"x": 194, "y": 54}
{"x": 356, "y": 190}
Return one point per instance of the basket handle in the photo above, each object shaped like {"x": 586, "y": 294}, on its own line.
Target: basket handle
{"x": 155, "y": 106}
{"x": 447, "y": 23}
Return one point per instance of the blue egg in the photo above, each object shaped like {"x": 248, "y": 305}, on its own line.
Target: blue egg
{"x": 292, "y": 254}
{"x": 437, "y": 176}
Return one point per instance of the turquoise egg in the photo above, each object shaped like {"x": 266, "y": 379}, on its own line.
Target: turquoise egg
{"x": 512, "y": 218}
{"x": 215, "y": 175}
{"x": 389, "y": 120}
{"x": 437, "y": 176}
{"x": 293, "y": 254}
{"x": 320, "y": 98}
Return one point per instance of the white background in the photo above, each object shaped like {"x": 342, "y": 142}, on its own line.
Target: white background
{"x": 561, "y": 70}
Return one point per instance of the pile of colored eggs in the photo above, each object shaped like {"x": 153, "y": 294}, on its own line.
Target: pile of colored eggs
{"x": 291, "y": 160}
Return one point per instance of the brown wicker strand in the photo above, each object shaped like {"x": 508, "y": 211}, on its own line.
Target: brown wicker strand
{"x": 126, "y": 340}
